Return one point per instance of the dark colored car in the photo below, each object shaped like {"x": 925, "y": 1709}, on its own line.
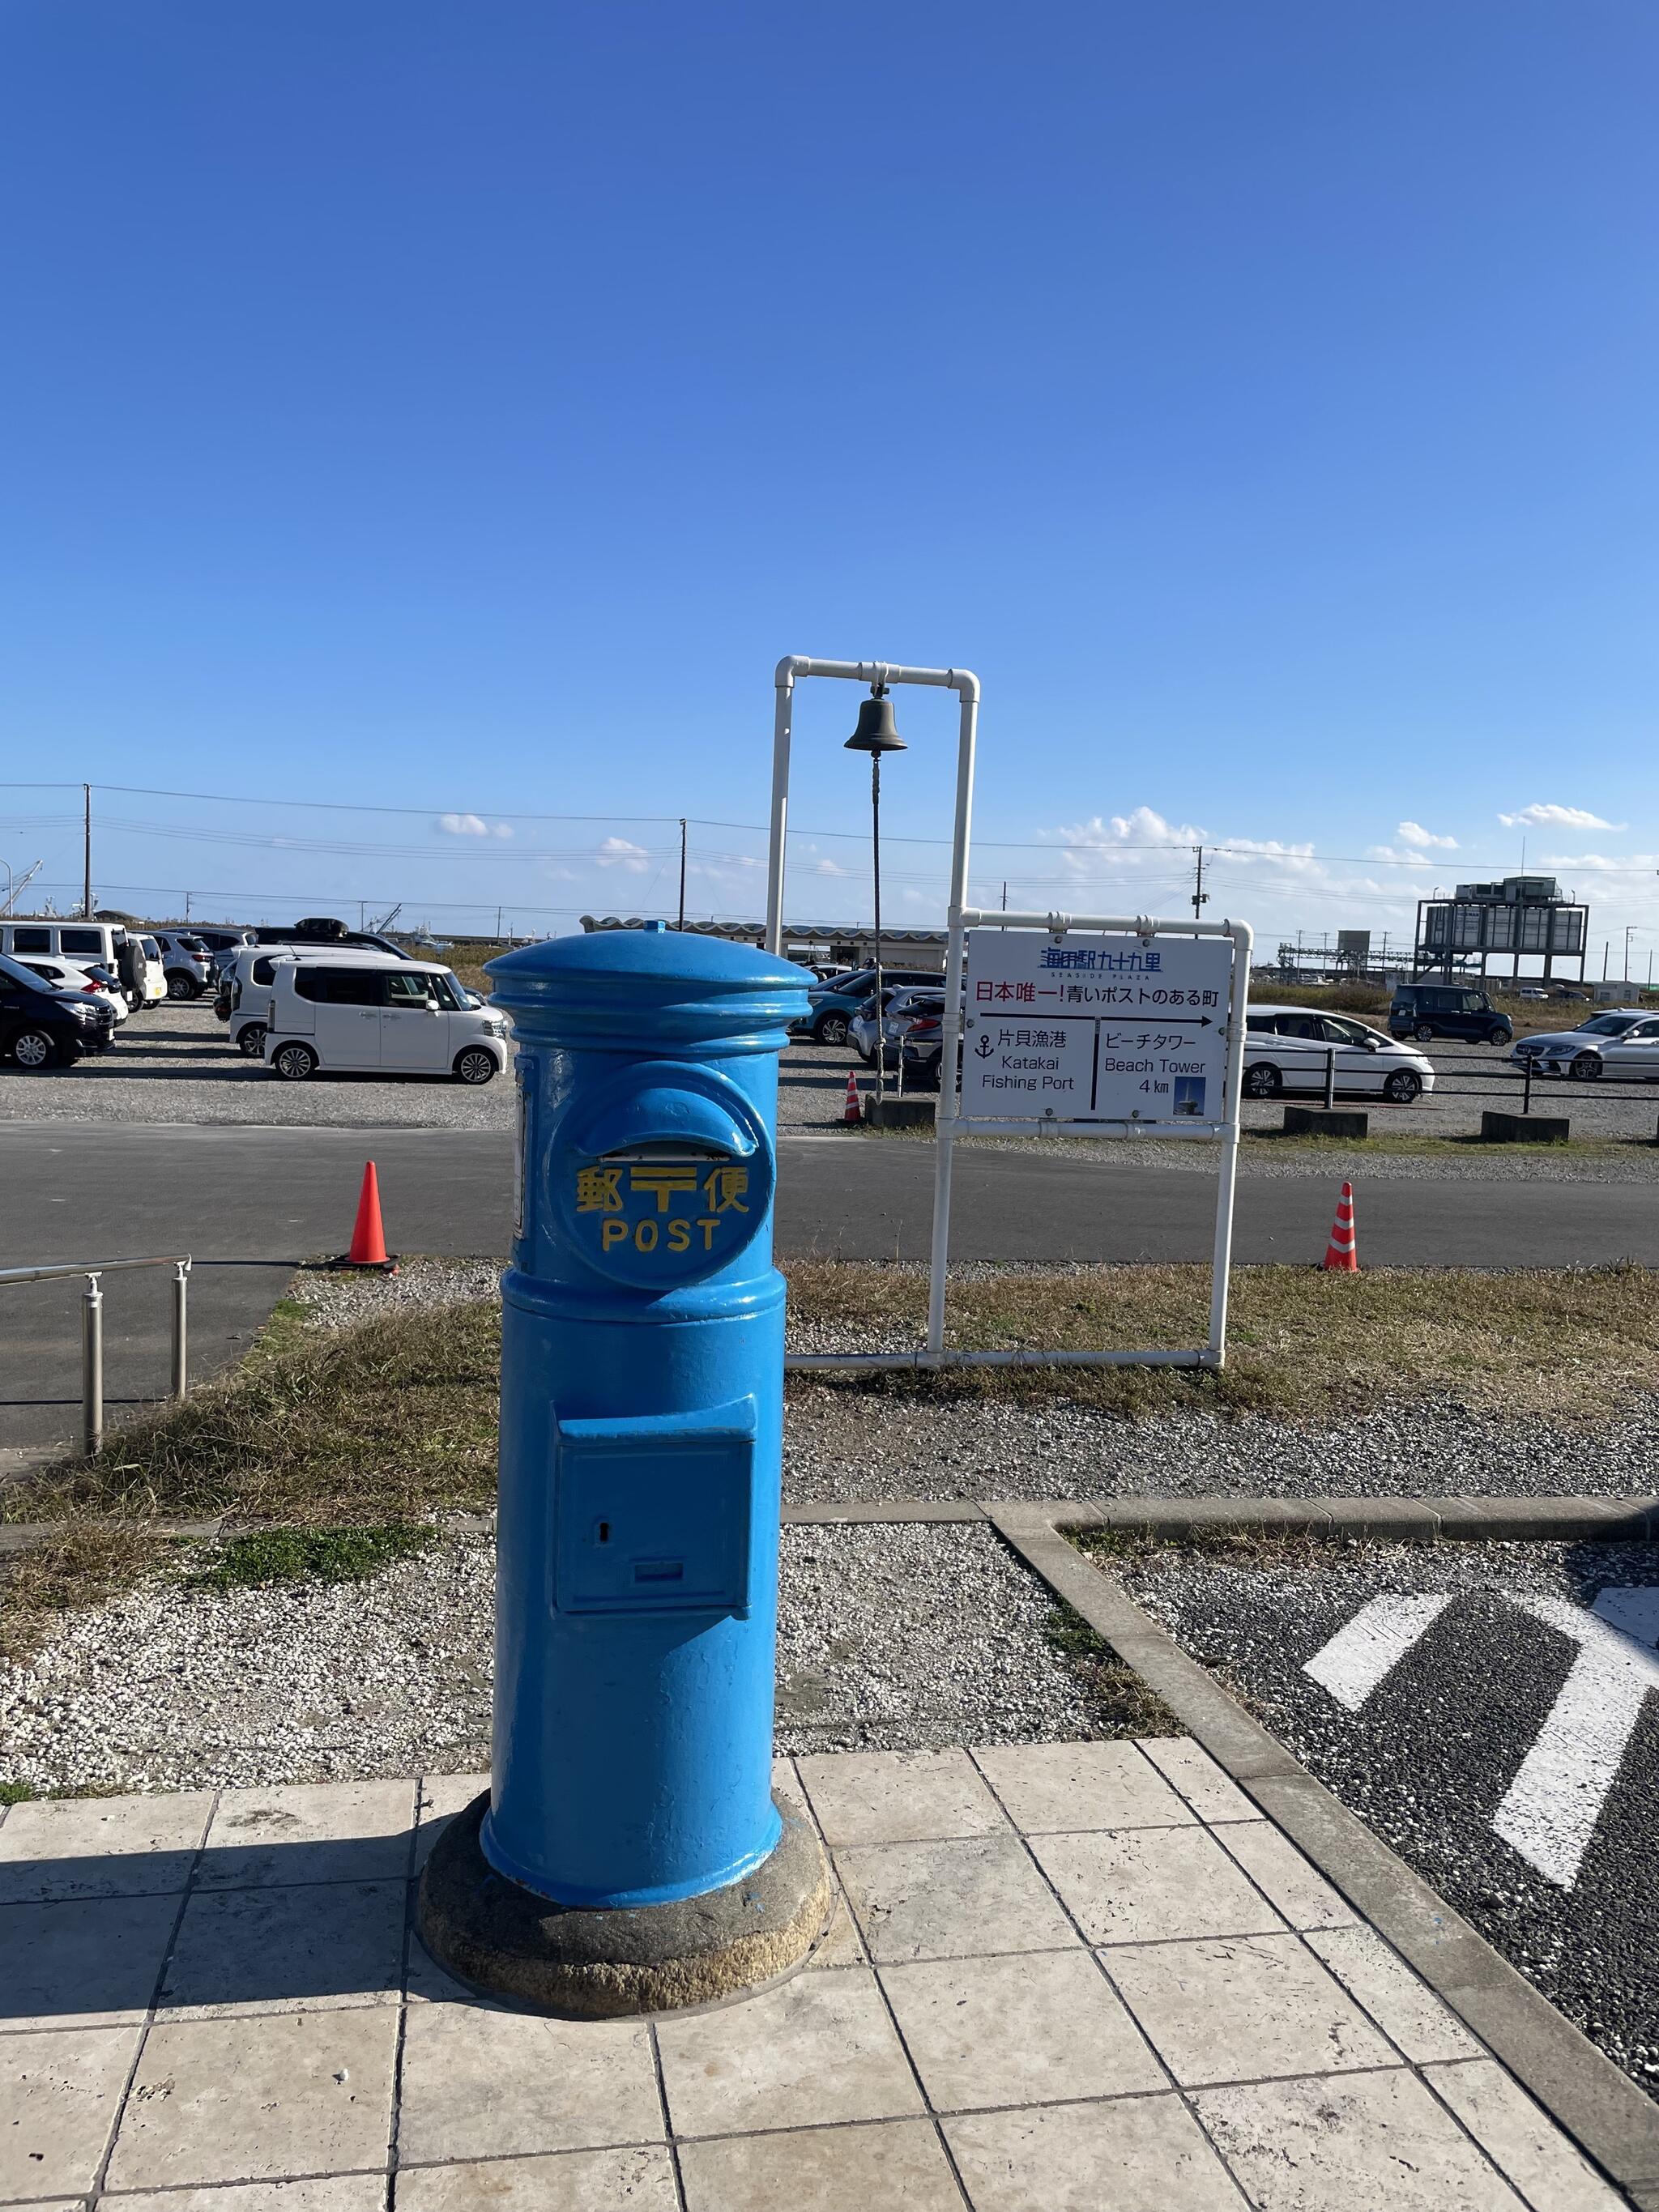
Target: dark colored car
{"x": 830, "y": 1011}
{"x": 41, "y": 1027}
{"x": 1446, "y": 1009}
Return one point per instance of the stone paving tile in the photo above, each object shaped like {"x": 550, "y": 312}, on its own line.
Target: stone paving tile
{"x": 898, "y": 1797}
{"x": 1212, "y": 1794}
{"x": 640, "y": 2180}
{"x": 264, "y": 1950}
{"x": 1146, "y": 1885}
{"x": 842, "y": 1946}
{"x": 1523, "y": 2142}
{"x": 329, "y": 2192}
{"x": 1255, "y": 2007}
{"x": 1018, "y": 2031}
{"x": 1049, "y": 1786}
{"x": 90, "y": 1962}
{"x": 1134, "y": 2154}
{"x": 428, "y": 1982}
{"x": 100, "y": 1846}
{"x": 950, "y": 1901}
{"x": 60, "y": 2096}
{"x": 310, "y": 1831}
{"x": 823, "y": 2170}
{"x": 254, "y": 2099}
{"x": 1405, "y": 2009}
{"x": 817, "y": 2049}
{"x": 1377, "y": 2141}
{"x": 441, "y": 1796}
{"x": 481, "y": 2082}
{"x": 1277, "y": 1869}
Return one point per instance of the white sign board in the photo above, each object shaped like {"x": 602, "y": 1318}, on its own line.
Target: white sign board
{"x": 1095, "y": 1026}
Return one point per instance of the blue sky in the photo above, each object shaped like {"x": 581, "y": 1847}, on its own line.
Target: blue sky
{"x": 459, "y": 409}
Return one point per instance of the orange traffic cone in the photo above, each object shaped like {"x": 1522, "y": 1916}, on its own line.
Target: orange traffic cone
{"x": 1343, "y": 1252}
{"x": 367, "y": 1237}
{"x": 851, "y": 1111}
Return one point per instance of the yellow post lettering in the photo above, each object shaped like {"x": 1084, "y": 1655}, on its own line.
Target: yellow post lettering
{"x": 644, "y": 1236}
{"x": 612, "y": 1232}
{"x": 708, "y": 1225}
{"x": 679, "y": 1236}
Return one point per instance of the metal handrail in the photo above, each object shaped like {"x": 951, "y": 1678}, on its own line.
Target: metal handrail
{"x": 92, "y": 1329}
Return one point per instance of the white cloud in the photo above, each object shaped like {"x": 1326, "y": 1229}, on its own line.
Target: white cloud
{"x": 827, "y": 867}
{"x": 500, "y": 829}
{"x": 463, "y": 825}
{"x": 1413, "y": 834}
{"x": 619, "y": 853}
{"x": 1568, "y": 818}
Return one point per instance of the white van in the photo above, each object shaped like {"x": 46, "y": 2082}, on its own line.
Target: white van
{"x": 83, "y": 944}
{"x": 402, "y": 1017}
{"x": 245, "y": 985}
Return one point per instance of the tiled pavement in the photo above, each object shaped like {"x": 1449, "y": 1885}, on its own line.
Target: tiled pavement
{"x": 1074, "y": 1978}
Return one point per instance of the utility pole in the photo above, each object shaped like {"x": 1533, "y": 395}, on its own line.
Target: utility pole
{"x": 1201, "y": 896}
{"x": 86, "y": 881}
{"x": 498, "y": 924}
{"x": 1005, "y": 898}
{"x": 1630, "y": 932}
{"x": 681, "y": 923}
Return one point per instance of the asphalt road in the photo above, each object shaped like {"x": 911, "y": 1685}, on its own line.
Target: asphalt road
{"x": 236, "y": 1195}
{"x": 1505, "y": 1742}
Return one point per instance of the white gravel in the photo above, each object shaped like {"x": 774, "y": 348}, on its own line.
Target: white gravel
{"x": 844, "y": 1444}
{"x": 895, "y": 1637}
{"x": 335, "y": 1301}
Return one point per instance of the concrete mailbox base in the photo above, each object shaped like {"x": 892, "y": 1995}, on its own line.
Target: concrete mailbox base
{"x": 1525, "y": 1128}
{"x": 1324, "y": 1122}
{"x": 597, "y": 1965}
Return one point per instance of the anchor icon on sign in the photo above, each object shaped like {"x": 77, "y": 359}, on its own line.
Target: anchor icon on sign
{"x": 984, "y": 1048}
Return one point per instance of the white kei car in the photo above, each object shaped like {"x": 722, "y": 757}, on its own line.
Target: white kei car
{"x": 1623, "y": 1043}
{"x": 69, "y": 975}
{"x": 1287, "y": 1049}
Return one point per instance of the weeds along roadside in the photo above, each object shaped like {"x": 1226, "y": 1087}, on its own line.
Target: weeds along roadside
{"x": 334, "y": 1450}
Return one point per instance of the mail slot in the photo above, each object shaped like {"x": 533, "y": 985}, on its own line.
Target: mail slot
{"x": 641, "y": 1420}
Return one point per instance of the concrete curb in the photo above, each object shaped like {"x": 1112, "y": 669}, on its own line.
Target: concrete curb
{"x": 1599, "y": 2106}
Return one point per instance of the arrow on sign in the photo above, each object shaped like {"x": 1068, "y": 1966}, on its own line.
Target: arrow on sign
{"x": 1550, "y": 1813}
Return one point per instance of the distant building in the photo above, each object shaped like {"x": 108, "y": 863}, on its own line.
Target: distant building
{"x": 1521, "y": 917}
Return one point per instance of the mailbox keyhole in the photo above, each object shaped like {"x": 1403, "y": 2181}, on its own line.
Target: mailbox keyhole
{"x": 605, "y": 1532}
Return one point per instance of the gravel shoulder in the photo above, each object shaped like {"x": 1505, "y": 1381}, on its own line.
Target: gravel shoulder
{"x": 895, "y": 1638}
{"x": 846, "y": 1443}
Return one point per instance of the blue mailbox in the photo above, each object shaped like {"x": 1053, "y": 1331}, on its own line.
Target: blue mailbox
{"x": 641, "y": 1434}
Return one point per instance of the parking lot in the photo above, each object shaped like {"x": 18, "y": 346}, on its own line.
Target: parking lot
{"x": 1488, "y": 1710}
{"x": 174, "y": 1064}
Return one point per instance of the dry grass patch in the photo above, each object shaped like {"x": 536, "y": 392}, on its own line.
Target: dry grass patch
{"x": 381, "y": 1422}
{"x": 1543, "y": 1343}
{"x": 83, "y": 1564}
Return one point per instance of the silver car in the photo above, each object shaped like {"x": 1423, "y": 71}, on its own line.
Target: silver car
{"x": 1622, "y": 1042}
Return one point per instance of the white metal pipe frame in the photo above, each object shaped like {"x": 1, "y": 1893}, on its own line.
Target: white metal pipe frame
{"x": 950, "y": 1121}
{"x": 92, "y": 1328}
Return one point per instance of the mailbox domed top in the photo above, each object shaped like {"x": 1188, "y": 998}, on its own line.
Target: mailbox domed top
{"x": 625, "y": 987}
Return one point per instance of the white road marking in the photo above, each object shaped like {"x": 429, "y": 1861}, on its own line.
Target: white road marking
{"x": 1372, "y": 1645}
{"x": 1556, "y": 1799}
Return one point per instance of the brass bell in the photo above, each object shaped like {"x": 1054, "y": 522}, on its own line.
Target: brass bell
{"x": 875, "y": 732}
